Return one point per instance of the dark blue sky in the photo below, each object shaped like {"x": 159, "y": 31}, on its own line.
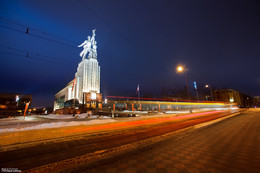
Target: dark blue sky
{"x": 138, "y": 42}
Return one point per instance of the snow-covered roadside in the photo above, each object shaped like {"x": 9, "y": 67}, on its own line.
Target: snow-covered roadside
{"x": 54, "y": 116}
{"x": 59, "y": 124}
{"x": 80, "y": 116}
{"x": 59, "y": 117}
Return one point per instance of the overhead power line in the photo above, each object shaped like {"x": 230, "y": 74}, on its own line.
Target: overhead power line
{"x": 34, "y": 35}
{"x": 37, "y": 30}
{"x": 36, "y": 54}
{"x": 33, "y": 55}
{"x": 27, "y": 55}
{"x": 11, "y": 48}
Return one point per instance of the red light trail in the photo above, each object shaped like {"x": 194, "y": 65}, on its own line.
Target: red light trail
{"x": 144, "y": 122}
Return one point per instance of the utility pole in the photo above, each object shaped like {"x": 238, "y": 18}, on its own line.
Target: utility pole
{"x": 187, "y": 84}
{"x": 208, "y": 86}
{"x": 183, "y": 69}
{"x": 195, "y": 86}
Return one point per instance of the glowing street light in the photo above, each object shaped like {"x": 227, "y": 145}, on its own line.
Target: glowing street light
{"x": 180, "y": 69}
{"x": 207, "y": 86}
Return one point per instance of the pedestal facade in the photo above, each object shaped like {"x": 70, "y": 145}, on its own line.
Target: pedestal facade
{"x": 87, "y": 86}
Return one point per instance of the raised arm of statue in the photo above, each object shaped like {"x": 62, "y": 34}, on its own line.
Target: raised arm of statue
{"x": 93, "y": 36}
{"x": 94, "y": 32}
{"x": 82, "y": 44}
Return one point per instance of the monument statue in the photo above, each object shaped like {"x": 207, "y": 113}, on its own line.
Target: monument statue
{"x": 86, "y": 84}
{"x": 89, "y": 46}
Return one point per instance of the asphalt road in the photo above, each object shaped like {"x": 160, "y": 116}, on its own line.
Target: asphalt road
{"x": 232, "y": 145}
{"x": 50, "y": 152}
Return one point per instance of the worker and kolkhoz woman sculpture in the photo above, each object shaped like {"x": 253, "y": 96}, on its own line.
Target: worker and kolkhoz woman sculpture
{"x": 89, "y": 46}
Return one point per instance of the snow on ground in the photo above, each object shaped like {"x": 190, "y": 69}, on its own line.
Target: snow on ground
{"x": 59, "y": 124}
{"x": 144, "y": 112}
{"x": 79, "y": 116}
{"x": 176, "y": 112}
{"x": 18, "y": 118}
{"x": 54, "y": 116}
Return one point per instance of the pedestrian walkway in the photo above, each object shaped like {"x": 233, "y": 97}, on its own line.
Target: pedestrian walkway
{"x": 232, "y": 145}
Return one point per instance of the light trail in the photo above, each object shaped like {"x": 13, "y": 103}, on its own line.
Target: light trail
{"x": 159, "y": 99}
{"x": 143, "y": 122}
{"x": 171, "y": 103}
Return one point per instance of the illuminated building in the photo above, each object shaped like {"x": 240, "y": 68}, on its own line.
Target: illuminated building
{"x": 86, "y": 85}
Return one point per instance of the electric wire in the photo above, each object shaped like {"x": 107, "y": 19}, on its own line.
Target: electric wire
{"x": 37, "y": 58}
{"x": 37, "y": 36}
{"x": 37, "y": 30}
{"x": 37, "y": 54}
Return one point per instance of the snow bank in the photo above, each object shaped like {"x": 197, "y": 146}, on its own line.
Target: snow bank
{"x": 85, "y": 115}
{"x": 60, "y": 124}
{"x": 79, "y": 116}
{"x": 127, "y": 111}
{"x": 54, "y": 116}
{"x": 176, "y": 112}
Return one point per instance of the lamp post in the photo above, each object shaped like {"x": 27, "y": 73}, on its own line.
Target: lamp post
{"x": 208, "y": 86}
{"x": 181, "y": 69}
{"x": 195, "y": 87}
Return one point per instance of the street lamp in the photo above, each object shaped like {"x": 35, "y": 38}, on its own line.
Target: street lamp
{"x": 180, "y": 69}
{"x": 207, "y": 86}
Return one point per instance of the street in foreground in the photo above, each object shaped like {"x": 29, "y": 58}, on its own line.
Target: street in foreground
{"x": 229, "y": 145}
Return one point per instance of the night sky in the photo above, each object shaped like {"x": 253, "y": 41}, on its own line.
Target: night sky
{"x": 139, "y": 42}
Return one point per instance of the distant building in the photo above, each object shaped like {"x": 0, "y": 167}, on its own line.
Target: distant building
{"x": 246, "y": 101}
{"x": 256, "y": 101}
{"x": 231, "y": 95}
{"x": 227, "y": 95}
{"x": 13, "y": 103}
